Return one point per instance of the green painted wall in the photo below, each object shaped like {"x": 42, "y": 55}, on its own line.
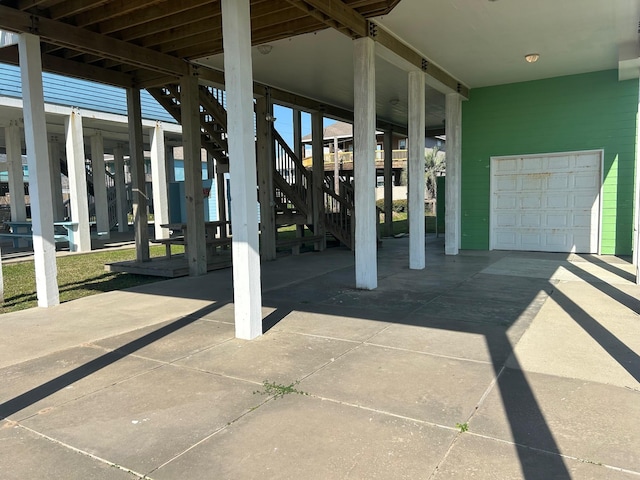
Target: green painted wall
{"x": 578, "y": 112}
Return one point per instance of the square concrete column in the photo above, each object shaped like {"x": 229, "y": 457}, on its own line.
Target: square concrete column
{"x": 266, "y": 165}
{"x": 415, "y": 165}
{"x": 159, "y": 181}
{"x": 122, "y": 206}
{"x": 388, "y": 182}
{"x": 364, "y": 172}
{"x": 56, "y": 180}
{"x": 39, "y": 170}
{"x": 453, "y": 190}
{"x": 138, "y": 180}
{"x": 13, "y": 142}
{"x": 238, "y": 75}
{"x": 78, "y": 196}
{"x": 100, "y": 185}
{"x": 194, "y": 199}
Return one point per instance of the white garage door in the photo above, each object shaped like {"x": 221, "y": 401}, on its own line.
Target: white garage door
{"x": 546, "y": 203}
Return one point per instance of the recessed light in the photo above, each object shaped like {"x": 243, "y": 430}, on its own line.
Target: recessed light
{"x": 532, "y": 57}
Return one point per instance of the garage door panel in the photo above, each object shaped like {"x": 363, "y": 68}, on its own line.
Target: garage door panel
{"x": 546, "y": 203}
{"x": 529, "y": 201}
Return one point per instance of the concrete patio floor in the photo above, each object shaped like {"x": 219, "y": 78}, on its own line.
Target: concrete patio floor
{"x": 537, "y": 354}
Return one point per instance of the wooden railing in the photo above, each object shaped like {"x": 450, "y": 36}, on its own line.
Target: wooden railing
{"x": 292, "y": 180}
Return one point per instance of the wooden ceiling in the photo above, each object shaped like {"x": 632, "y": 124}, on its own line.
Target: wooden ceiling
{"x": 150, "y": 42}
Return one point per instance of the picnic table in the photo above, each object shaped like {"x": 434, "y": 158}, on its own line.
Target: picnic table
{"x": 23, "y": 230}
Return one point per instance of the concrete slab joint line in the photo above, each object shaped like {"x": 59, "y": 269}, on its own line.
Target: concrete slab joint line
{"x": 541, "y": 372}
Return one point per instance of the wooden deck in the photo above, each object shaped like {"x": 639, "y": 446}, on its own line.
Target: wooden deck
{"x": 176, "y": 266}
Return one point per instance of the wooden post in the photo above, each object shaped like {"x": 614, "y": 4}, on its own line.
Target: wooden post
{"x": 415, "y": 165}
{"x": 39, "y": 170}
{"x": 364, "y": 173}
{"x": 317, "y": 177}
{"x": 159, "y": 182}
{"x": 388, "y": 182}
{"x": 238, "y": 74}
{"x": 78, "y": 194}
{"x": 122, "y": 206}
{"x": 336, "y": 166}
{"x": 16, "y": 174}
{"x": 264, "y": 138}
{"x": 453, "y": 129}
{"x": 56, "y": 180}
{"x": 194, "y": 199}
{"x": 138, "y": 183}
{"x": 297, "y": 134}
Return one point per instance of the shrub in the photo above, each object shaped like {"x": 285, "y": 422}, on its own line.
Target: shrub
{"x": 397, "y": 206}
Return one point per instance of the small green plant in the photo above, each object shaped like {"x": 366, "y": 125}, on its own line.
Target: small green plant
{"x": 463, "y": 427}
{"x": 279, "y": 390}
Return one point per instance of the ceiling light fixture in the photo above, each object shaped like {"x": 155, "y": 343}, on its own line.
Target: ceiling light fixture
{"x": 265, "y": 49}
{"x": 532, "y": 57}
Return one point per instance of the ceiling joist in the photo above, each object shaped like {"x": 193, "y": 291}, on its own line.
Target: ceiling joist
{"x": 82, "y": 40}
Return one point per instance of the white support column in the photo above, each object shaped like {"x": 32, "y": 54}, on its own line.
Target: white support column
{"x": 122, "y": 207}
{"x": 138, "y": 180}
{"x": 453, "y": 190}
{"x": 364, "y": 140}
{"x": 13, "y": 142}
{"x": 244, "y": 214}
{"x": 416, "y": 170}
{"x": 39, "y": 171}
{"x": 159, "y": 181}
{"x": 56, "y": 181}
{"x": 194, "y": 201}
{"x": 100, "y": 185}
{"x": 388, "y": 182}
{"x": 78, "y": 196}
{"x": 636, "y": 210}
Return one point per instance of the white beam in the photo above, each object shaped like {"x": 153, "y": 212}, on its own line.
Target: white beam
{"x": 244, "y": 219}
{"x": 138, "y": 182}
{"x": 194, "y": 201}
{"x": 364, "y": 140}
{"x": 416, "y": 170}
{"x": 13, "y": 143}
{"x": 44, "y": 249}
{"x": 77, "y": 181}
{"x": 122, "y": 206}
{"x": 453, "y": 189}
{"x": 100, "y": 185}
{"x": 159, "y": 182}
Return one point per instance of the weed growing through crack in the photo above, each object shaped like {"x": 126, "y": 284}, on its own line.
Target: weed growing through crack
{"x": 279, "y": 390}
{"x": 463, "y": 427}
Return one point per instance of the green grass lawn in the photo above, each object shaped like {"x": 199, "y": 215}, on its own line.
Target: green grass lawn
{"x": 78, "y": 276}
{"x": 83, "y": 274}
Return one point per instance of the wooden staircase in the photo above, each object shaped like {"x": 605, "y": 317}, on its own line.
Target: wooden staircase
{"x": 292, "y": 181}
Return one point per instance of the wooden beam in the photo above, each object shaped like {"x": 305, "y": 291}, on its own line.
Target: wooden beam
{"x": 83, "y": 40}
{"x": 74, "y": 7}
{"x": 71, "y": 68}
{"x": 114, "y": 9}
{"x": 153, "y": 12}
{"x": 407, "y": 53}
{"x": 337, "y": 13}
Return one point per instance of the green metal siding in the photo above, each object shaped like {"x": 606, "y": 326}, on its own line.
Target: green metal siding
{"x": 580, "y": 112}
